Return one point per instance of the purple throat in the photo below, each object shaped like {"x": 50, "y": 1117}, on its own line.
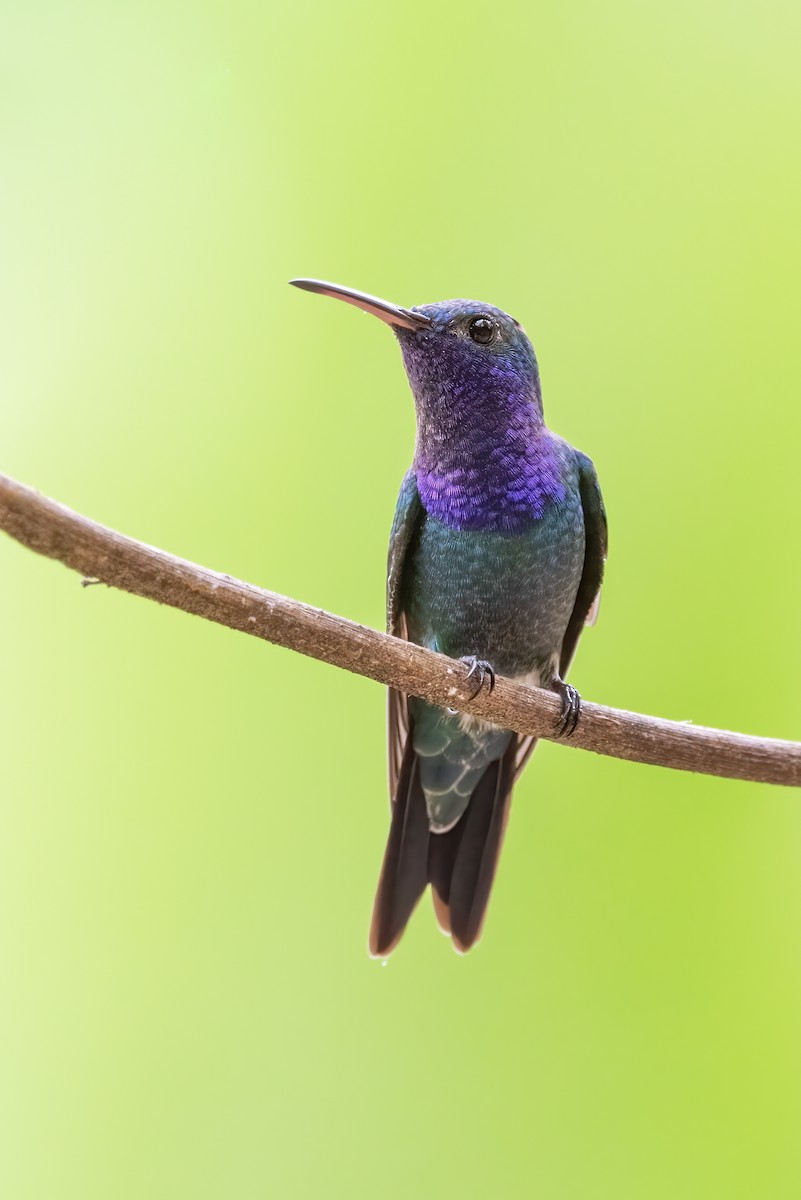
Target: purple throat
{"x": 502, "y": 485}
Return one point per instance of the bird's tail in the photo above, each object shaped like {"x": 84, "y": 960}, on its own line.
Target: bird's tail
{"x": 460, "y": 864}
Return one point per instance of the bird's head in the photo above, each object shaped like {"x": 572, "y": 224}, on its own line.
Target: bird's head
{"x": 462, "y": 357}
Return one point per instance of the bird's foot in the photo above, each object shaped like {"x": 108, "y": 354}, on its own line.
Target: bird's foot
{"x": 482, "y": 671}
{"x": 571, "y": 707}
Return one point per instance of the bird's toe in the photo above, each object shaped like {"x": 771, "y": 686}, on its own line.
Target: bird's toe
{"x": 481, "y": 669}
{"x": 571, "y": 708}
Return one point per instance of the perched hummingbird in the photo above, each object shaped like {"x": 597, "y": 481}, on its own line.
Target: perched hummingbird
{"x": 496, "y": 557}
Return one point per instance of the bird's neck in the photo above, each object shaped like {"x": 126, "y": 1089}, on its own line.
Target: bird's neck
{"x": 494, "y": 469}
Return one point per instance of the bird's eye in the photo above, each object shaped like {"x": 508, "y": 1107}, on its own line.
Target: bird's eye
{"x": 481, "y": 330}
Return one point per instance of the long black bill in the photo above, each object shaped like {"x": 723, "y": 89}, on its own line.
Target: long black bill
{"x": 390, "y": 313}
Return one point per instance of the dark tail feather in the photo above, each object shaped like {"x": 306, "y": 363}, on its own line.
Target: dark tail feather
{"x": 475, "y": 856}
{"x": 404, "y": 874}
{"x": 442, "y": 851}
{"x": 460, "y": 865}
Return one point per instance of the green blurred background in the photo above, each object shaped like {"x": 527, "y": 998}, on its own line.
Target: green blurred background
{"x": 192, "y": 822}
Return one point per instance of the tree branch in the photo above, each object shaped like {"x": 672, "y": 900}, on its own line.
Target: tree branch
{"x": 51, "y": 529}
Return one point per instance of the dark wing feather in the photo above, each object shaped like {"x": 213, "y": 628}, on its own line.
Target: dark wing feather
{"x": 409, "y": 513}
{"x": 595, "y": 547}
{"x": 397, "y": 735}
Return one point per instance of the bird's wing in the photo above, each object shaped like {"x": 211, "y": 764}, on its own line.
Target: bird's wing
{"x": 595, "y": 546}
{"x": 408, "y": 515}
{"x": 585, "y": 608}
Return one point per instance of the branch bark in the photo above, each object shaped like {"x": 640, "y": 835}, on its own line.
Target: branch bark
{"x": 53, "y": 530}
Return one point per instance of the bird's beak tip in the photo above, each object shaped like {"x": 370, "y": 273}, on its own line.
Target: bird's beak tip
{"x": 390, "y": 314}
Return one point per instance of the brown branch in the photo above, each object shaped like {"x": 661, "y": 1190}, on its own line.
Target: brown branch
{"x": 104, "y": 555}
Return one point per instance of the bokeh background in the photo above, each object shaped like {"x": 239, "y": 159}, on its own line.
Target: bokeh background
{"x": 191, "y": 822}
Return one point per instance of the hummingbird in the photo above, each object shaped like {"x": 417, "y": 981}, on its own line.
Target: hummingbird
{"x": 496, "y": 558}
